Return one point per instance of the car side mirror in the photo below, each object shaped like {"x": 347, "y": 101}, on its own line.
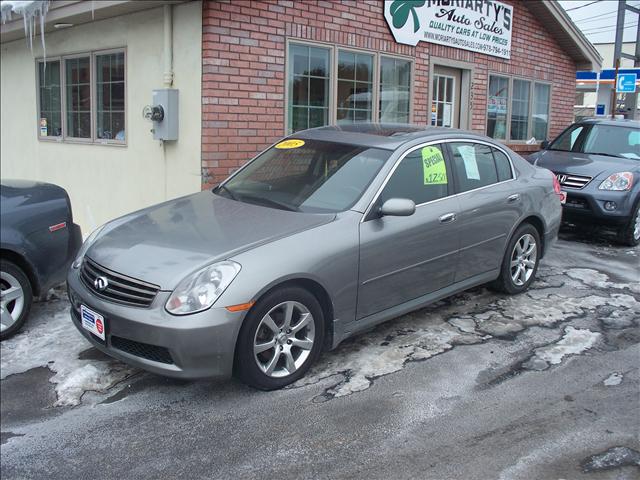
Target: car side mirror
{"x": 397, "y": 207}
{"x": 544, "y": 145}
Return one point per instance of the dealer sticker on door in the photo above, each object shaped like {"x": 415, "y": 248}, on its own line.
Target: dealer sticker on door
{"x": 92, "y": 321}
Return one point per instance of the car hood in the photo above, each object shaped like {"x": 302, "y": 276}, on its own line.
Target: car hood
{"x": 164, "y": 243}
{"x": 583, "y": 163}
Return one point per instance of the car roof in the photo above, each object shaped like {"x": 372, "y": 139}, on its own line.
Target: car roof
{"x": 608, "y": 121}
{"x": 388, "y": 136}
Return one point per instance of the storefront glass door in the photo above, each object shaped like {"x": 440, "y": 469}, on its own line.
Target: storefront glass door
{"x": 445, "y": 97}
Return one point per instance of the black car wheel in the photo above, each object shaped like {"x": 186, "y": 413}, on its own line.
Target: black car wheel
{"x": 520, "y": 262}
{"x": 280, "y": 339}
{"x": 16, "y": 298}
{"x": 630, "y": 233}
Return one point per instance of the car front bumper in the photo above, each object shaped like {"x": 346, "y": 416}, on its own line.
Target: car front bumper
{"x": 193, "y": 346}
{"x": 588, "y": 204}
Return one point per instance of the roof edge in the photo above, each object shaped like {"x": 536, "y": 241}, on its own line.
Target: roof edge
{"x": 591, "y": 56}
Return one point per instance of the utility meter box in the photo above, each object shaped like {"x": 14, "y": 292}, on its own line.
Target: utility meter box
{"x": 166, "y": 128}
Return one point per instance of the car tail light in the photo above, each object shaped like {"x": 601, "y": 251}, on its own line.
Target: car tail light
{"x": 556, "y": 185}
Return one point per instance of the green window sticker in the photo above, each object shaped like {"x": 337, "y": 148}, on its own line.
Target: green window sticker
{"x": 433, "y": 166}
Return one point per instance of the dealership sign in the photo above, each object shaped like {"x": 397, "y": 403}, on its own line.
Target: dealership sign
{"x": 478, "y": 25}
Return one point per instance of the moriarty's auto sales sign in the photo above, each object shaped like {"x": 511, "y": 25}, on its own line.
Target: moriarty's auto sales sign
{"x": 478, "y": 25}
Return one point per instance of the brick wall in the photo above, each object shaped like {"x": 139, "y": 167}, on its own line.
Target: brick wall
{"x": 243, "y": 65}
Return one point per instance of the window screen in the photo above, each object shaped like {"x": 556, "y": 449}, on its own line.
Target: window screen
{"x": 422, "y": 176}
{"x": 110, "y": 90}
{"x": 78, "y": 82}
{"x": 474, "y": 165}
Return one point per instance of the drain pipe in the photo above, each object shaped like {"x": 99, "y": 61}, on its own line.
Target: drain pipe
{"x": 168, "y": 46}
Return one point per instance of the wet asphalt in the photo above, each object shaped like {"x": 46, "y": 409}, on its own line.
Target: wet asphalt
{"x": 545, "y": 385}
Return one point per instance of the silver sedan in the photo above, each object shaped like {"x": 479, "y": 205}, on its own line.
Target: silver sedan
{"x": 322, "y": 236}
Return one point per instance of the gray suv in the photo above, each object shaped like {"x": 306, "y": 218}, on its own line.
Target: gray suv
{"x": 597, "y": 163}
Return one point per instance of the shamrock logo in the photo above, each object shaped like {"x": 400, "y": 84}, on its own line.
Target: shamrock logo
{"x": 400, "y": 10}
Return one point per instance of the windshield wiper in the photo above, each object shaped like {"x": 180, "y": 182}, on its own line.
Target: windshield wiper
{"x": 603, "y": 154}
{"x": 268, "y": 201}
{"x": 231, "y": 194}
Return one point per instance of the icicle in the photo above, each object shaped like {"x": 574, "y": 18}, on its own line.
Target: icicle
{"x": 29, "y": 9}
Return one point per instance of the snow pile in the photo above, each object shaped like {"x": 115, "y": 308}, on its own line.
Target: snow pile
{"x": 51, "y": 340}
{"x": 613, "y": 379}
{"x": 31, "y": 10}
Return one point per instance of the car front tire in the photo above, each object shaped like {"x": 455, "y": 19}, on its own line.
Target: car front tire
{"x": 630, "y": 234}
{"x": 16, "y": 298}
{"x": 520, "y": 262}
{"x": 281, "y": 337}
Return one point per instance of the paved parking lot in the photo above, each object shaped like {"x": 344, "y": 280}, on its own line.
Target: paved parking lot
{"x": 542, "y": 385}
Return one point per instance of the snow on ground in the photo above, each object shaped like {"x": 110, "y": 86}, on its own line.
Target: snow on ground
{"x": 51, "y": 340}
{"x": 613, "y": 379}
{"x": 574, "y": 342}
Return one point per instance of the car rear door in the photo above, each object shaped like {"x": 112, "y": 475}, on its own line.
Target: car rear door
{"x": 402, "y": 258}
{"x": 490, "y": 204}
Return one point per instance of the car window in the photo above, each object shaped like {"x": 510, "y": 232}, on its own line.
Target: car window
{"x": 567, "y": 139}
{"x": 421, "y": 176}
{"x": 503, "y": 165}
{"x": 473, "y": 165}
{"x": 307, "y": 175}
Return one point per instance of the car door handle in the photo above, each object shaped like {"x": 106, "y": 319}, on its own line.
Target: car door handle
{"x": 513, "y": 198}
{"x": 447, "y": 218}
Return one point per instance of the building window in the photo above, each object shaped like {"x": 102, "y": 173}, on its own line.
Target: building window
{"x": 540, "y": 118}
{"x": 329, "y": 84}
{"x": 443, "y": 88}
{"x": 82, "y": 98}
{"x": 517, "y": 109}
{"x": 497, "y": 107}
{"x": 395, "y": 90}
{"x": 355, "y": 87}
{"x": 78, "y": 95}
{"x": 50, "y": 117}
{"x": 520, "y": 110}
{"x": 309, "y": 86}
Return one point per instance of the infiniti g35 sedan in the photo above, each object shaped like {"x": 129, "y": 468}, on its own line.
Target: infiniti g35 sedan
{"x": 318, "y": 238}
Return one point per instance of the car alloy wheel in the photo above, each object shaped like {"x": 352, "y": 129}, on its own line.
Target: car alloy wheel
{"x": 11, "y": 300}
{"x": 523, "y": 259}
{"x": 284, "y": 339}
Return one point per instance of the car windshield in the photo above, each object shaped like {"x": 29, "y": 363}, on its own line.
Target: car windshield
{"x": 307, "y": 176}
{"x": 607, "y": 140}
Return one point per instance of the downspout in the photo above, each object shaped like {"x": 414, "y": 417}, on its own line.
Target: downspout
{"x": 167, "y": 79}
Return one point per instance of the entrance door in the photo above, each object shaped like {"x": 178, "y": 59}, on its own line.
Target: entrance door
{"x": 445, "y": 97}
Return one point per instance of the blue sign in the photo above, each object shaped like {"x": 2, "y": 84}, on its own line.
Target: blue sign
{"x": 626, "y": 83}
{"x": 600, "y": 109}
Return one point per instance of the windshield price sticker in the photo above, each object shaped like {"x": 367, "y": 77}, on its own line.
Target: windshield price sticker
{"x": 433, "y": 166}
{"x": 286, "y": 144}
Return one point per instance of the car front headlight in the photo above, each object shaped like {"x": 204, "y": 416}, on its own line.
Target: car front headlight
{"x": 201, "y": 289}
{"x": 85, "y": 246}
{"x": 618, "y": 182}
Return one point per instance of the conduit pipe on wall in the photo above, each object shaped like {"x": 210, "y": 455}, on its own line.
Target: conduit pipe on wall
{"x": 168, "y": 46}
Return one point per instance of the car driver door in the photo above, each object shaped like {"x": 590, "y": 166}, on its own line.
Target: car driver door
{"x": 405, "y": 257}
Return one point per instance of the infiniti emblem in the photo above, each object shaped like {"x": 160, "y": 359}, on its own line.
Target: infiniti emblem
{"x": 101, "y": 283}
{"x": 562, "y": 177}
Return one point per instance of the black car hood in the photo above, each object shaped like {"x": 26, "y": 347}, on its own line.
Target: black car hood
{"x": 583, "y": 163}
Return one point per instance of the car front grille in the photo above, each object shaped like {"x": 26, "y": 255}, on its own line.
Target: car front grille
{"x": 119, "y": 288}
{"x": 569, "y": 180}
{"x": 144, "y": 350}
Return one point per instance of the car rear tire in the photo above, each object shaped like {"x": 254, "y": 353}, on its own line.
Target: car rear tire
{"x": 630, "y": 234}
{"x": 520, "y": 262}
{"x": 281, "y": 337}
{"x": 16, "y": 298}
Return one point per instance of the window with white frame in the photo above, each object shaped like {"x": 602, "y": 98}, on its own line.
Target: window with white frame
{"x": 517, "y": 109}
{"x": 328, "y": 84}
{"x": 81, "y": 98}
